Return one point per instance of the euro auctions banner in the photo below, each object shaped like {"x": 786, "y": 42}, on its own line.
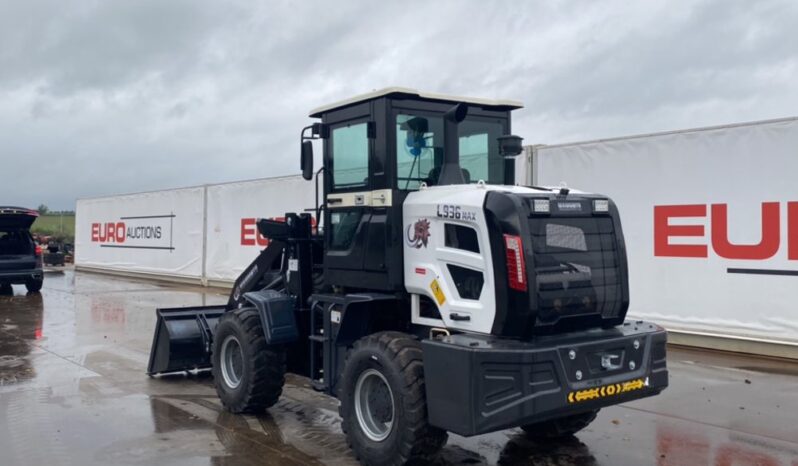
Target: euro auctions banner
{"x": 233, "y": 240}
{"x": 710, "y": 218}
{"x": 156, "y": 232}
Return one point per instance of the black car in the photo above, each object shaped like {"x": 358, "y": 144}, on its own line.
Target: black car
{"x": 20, "y": 257}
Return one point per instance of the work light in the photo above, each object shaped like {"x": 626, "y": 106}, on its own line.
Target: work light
{"x": 541, "y": 206}
{"x": 601, "y": 205}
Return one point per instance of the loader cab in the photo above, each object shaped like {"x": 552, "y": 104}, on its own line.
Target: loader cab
{"x": 378, "y": 148}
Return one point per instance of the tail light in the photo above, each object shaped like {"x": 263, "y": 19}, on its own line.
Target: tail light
{"x": 38, "y": 250}
{"x": 516, "y": 267}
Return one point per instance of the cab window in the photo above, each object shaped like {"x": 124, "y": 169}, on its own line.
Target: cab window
{"x": 419, "y": 150}
{"x": 343, "y": 228}
{"x": 479, "y": 151}
{"x": 350, "y": 156}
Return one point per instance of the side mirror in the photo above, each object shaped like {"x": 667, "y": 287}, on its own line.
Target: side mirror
{"x": 307, "y": 160}
{"x": 510, "y": 145}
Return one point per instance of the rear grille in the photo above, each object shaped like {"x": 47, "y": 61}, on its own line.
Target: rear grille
{"x": 576, "y": 267}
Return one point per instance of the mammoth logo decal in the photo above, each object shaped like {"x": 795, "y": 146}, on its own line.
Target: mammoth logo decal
{"x": 420, "y": 234}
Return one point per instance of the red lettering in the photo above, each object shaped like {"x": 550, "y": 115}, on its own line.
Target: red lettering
{"x": 767, "y": 247}
{"x": 110, "y": 232}
{"x": 247, "y": 232}
{"x": 792, "y": 231}
{"x": 120, "y": 232}
{"x": 663, "y": 231}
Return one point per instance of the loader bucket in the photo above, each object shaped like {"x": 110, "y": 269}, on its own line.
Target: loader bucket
{"x": 182, "y": 338}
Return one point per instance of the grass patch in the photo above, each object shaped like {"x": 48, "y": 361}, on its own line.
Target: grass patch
{"x": 55, "y": 225}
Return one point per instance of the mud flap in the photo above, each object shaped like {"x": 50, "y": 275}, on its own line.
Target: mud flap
{"x": 182, "y": 339}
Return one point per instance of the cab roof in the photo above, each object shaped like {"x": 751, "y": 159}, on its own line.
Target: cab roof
{"x": 407, "y": 92}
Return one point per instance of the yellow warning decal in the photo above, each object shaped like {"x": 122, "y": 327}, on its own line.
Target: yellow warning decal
{"x": 437, "y": 292}
{"x": 607, "y": 390}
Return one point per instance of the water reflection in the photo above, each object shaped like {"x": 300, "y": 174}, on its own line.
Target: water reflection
{"x": 568, "y": 451}
{"x": 292, "y": 434}
{"x": 677, "y": 446}
{"x": 20, "y": 326}
{"x": 241, "y": 439}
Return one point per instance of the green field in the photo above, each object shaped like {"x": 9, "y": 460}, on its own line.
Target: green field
{"x": 55, "y": 225}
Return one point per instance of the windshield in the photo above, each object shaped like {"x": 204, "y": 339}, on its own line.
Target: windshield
{"x": 419, "y": 150}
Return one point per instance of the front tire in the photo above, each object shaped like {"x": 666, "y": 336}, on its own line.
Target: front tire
{"x": 248, "y": 373}
{"x": 34, "y": 285}
{"x": 383, "y": 401}
{"x": 560, "y": 427}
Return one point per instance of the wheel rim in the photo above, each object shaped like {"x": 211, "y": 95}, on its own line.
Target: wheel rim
{"x": 232, "y": 359}
{"x": 374, "y": 406}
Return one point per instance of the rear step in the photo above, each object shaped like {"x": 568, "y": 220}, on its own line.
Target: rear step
{"x": 182, "y": 339}
{"x": 318, "y": 345}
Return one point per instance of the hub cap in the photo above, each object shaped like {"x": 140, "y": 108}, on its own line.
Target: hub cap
{"x": 374, "y": 406}
{"x": 232, "y": 361}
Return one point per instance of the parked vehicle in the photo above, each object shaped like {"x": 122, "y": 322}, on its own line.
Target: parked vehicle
{"x": 20, "y": 256}
{"x": 436, "y": 296}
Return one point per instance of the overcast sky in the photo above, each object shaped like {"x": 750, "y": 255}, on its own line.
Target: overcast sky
{"x": 103, "y": 97}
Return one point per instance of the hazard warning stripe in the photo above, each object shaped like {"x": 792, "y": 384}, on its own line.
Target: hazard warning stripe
{"x": 607, "y": 390}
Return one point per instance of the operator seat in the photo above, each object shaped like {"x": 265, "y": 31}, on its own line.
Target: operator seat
{"x": 435, "y": 173}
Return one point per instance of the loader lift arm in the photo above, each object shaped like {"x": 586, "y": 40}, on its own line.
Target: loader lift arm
{"x": 184, "y": 336}
{"x": 262, "y": 267}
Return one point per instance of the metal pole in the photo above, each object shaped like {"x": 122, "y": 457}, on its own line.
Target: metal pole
{"x": 204, "y": 277}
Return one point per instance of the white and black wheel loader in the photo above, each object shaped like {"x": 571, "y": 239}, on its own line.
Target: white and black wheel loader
{"x": 434, "y": 296}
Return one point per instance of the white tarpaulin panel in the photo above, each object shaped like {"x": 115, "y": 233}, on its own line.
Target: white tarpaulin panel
{"x": 156, "y": 233}
{"x": 233, "y": 208}
{"x": 710, "y": 218}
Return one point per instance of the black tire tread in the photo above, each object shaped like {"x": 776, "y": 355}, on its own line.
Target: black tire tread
{"x": 268, "y": 366}
{"x": 34, "y": 286}
{"x": 420, "y": 439}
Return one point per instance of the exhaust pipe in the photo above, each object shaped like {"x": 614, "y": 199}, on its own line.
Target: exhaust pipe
{"x": 451, "y": 173}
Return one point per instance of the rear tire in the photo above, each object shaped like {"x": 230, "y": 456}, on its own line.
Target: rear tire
{"x": 34, "y": 286}
{"x": 383, "y": 401}
{"x": 248, "y": 373}
{"x": 560, "y": 427}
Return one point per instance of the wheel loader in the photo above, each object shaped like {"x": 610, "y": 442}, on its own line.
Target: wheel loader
{"x": 433, "y": 295}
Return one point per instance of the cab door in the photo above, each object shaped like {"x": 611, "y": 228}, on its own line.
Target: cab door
{"x": 358, "y": 201}
{"x": 348, "y": 212}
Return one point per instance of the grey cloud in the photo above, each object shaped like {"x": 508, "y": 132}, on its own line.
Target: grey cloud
{"x": 96, "y": 45}
{"x": 107, "y": 97}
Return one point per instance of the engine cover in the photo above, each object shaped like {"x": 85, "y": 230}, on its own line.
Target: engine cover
{"x": 482, "y": 258}
{"x": 448, "y": 262}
